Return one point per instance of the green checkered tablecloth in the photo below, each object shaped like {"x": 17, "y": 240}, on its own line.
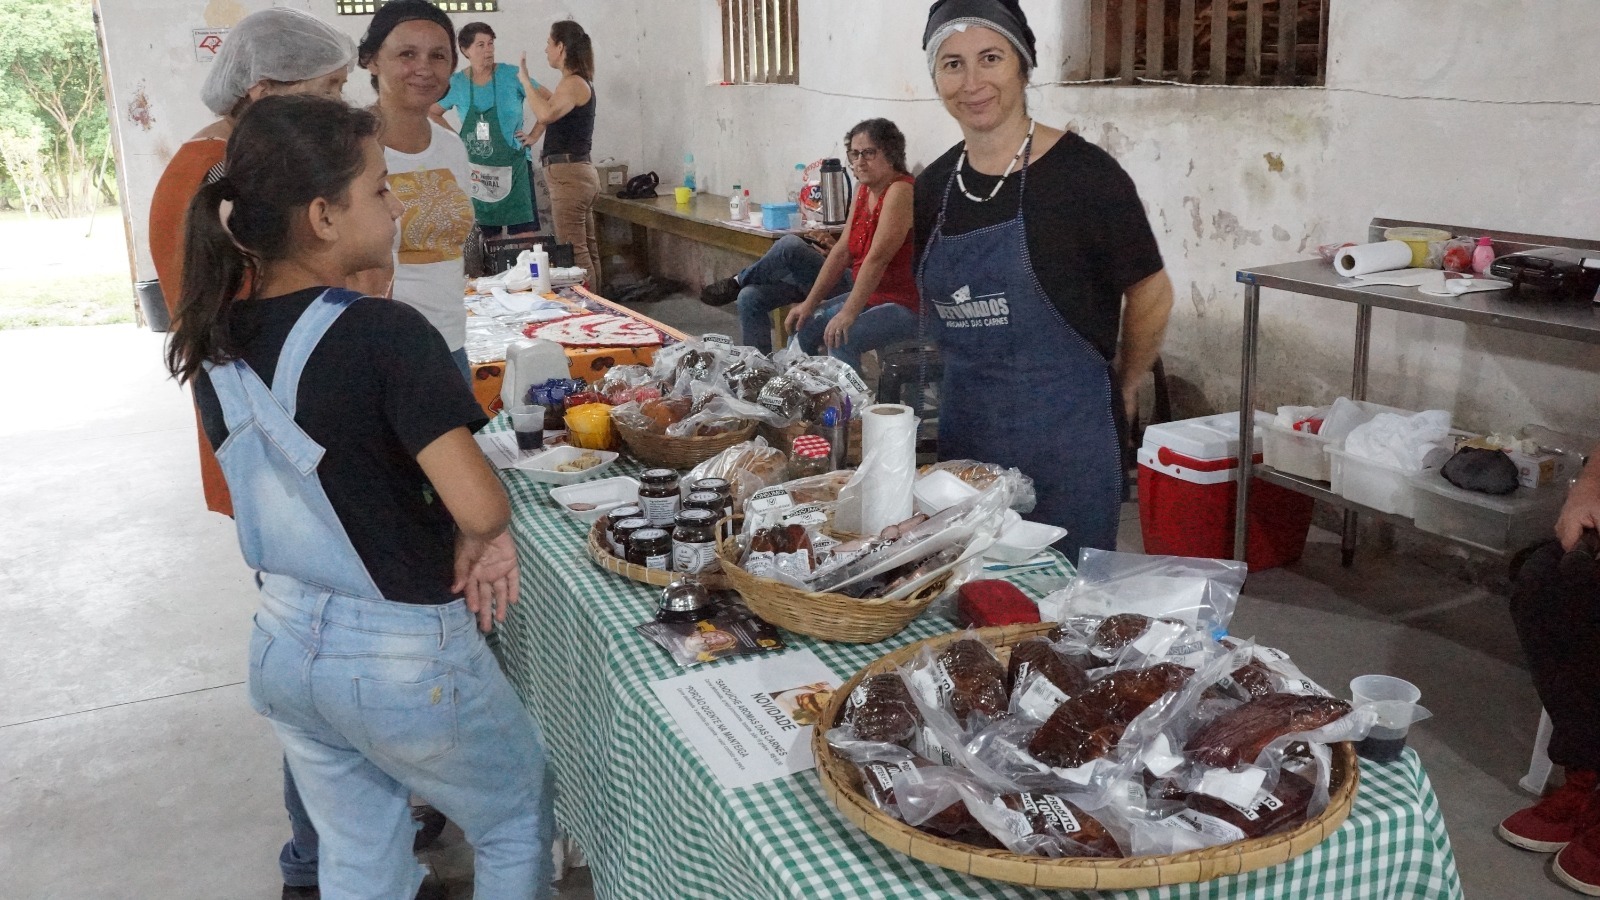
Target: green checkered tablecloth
{"x": 654, "y": 822}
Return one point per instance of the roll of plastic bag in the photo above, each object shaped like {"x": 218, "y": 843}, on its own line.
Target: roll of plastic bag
{"x": 1364, "y": 259}
{"x": 888, "y": 466}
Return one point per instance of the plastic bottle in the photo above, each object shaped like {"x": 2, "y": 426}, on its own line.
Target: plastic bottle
{"x": 688, "y": 172}
{"x": 1482, "y": 256}
{"x": 749, "y": 208}
{"x": 540, "y": 270}
{"x": 736, "y": 210}
{"x": 798, "y": 183}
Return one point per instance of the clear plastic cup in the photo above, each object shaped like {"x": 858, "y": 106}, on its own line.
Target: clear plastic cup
{"x": 1395, "y": 702}
{"x": 528, "y": 422}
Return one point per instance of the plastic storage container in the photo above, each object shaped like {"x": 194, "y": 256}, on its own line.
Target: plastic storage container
{"x": 775, "y": 216}
{"x": 1372, "y": 483}
{"x": 1502, "y": 524}
{"x": 1188, "y": 476}
{"x": 1301, "y": 453}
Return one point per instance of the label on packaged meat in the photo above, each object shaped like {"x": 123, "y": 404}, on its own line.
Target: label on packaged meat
{"x": 1040, "y": 698}
{"x": 809, "y": 514}
{"x": 661, "y": 511}
{"x": 769, "y": 500}
{"x": 1238, "y": 789}
{"x": 858, "y": 697}
{"x": 1158, "y": 638}
{"x": 1211, "y": 826}
{"x": 1264, "y": 801}
{"x": 761, "y": 564}
{"x": 943, "y": 684}
{"x": 1055, "y": 812}
{"x": 930, "y": 747}
{"x": 717, "y": 339}
{"x": 1271, "y": 655}
{"x": 688, "y": 557}
{"x": 1159, "y": 758}
{"x": 883, "y": 773}
{"x": 853, "y": 382}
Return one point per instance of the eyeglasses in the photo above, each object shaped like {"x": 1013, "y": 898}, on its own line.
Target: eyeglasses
{"x": 869, "y": 154}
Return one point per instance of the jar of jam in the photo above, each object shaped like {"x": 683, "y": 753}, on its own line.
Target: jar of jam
{"x": 694, "y": 542}
{"x": 626, "y": 511}
{"x": 658, "y": 495}
{"x": 623, "y": 532}
{"x": 809, "y": 457}
{"x": 707, "y": 500}
{"x": 651, "y": 548}
{"x": 721, "y": 488}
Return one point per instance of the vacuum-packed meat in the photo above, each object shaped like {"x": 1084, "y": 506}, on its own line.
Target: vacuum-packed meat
{"x": 1068, "y": 674}
{"x": 967, "y": 672}
{"x": 880, "y": 709}
{"x": 1240, "y": 734}
{"x": 1088, "y": 726}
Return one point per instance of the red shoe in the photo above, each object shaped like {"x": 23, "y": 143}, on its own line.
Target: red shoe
{"x": 1578, "y": 863}
{"x": 1554, "y": 821}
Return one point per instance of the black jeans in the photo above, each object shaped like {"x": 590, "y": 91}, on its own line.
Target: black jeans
{"x": 1557, "y": 617}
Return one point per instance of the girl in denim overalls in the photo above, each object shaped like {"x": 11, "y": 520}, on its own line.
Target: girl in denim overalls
{"x": 351, "y": 468}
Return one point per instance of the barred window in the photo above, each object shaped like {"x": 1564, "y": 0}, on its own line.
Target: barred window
{"x": 760, "y": 41}
{"x": 368, "y": 7}
{"x": 1237, "y": 42}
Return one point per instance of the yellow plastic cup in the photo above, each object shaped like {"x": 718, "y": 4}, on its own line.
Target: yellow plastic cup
{"x": 683, "y": 195}
{"x": 589, "y": 427}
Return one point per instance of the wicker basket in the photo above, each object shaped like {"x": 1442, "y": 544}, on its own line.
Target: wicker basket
{"x": 600, "y": 552}
{"x": 658, "y": 450}
{"x": 841, "y": 784}
{"x": 831, "y": 617}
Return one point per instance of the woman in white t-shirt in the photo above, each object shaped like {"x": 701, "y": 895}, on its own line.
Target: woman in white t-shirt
{"x": 410, "y": 50}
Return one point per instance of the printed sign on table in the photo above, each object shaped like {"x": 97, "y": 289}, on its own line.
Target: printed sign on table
{"x": 751, "y": 722}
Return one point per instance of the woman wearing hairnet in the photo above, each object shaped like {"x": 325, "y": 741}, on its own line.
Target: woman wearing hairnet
{"x": 275, "y": 51}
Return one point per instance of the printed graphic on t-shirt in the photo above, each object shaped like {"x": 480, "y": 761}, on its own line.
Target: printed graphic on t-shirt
{"x": 437, "y": 217}
{"x": 963, "y": 310}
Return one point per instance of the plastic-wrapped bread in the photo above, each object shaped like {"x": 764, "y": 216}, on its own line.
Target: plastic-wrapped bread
{"x": 1090, "y": 724}
{"x": 881, "y": 709}
{"x": 1240, "y": 734}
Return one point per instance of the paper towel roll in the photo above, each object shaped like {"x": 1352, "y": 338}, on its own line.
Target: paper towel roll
{"x": 1383, "y": 256}
{"x": 888, "y": 465}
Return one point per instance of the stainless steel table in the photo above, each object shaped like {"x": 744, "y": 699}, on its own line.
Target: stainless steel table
{"x": 1491, "y": 309}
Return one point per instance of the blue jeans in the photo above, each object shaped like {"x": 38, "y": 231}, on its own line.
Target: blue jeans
{"x": 298, "y": 859}
{"x": 373, "y": 700}
{"x": 782, "y": 277}
{"x": 877, "y": 327}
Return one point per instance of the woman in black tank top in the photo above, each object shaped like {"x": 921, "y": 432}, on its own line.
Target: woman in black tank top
{"x": 565, "y": 118}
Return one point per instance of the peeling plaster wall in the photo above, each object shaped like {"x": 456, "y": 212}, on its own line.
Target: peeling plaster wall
{"x": 1463, "y": 111}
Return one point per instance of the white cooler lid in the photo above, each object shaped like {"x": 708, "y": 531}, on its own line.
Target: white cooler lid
{"x": 1206, "y": 437}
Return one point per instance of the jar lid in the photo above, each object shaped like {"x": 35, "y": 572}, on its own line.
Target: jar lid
{"x": 650, "y": 534}
{"x": 659, "y": 476}
{"x": 697, "y": 518}
{"x": 630, "y": 511}
{"x": 704, "y": 497}
{"x": 634, "y": 523}
{"x": 711, "y": 484}
{"x": 811, "y": 446}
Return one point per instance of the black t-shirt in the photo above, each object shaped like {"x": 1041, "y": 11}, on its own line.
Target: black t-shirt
{"x": 1088, "y": 235}
{"x": 376, "y": 390}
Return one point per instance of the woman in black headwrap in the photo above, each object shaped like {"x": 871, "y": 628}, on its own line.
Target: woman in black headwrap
{"x": 1029, "y": 240}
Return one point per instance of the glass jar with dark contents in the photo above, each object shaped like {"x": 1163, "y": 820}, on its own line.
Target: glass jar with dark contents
{"x": 623, "y": 532}
{"x": 706, "y": 500}
{"x": 694, "y": 542}
{"x": 720, "y": 487}
{"x": 651, "y": 548}
{"x": 626, "y": 511}
{"x": 658, "y": 495}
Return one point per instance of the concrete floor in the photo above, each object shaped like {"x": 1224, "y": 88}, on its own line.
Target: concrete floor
{"x": 131, "y": 765}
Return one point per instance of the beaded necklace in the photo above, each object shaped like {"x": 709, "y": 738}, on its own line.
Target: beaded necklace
{"x": 960, "y": 163}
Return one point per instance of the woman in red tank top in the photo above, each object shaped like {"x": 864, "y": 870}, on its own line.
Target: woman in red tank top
{"x": 881, "y": 305}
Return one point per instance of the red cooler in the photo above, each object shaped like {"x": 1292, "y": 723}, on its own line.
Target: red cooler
{"x": 1187, "y": 476}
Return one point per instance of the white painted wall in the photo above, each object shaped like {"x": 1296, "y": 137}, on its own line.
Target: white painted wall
{"x": 1468, "y": 111}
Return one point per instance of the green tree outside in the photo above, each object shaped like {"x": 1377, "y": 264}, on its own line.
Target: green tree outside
{"x": 54, "y": 133}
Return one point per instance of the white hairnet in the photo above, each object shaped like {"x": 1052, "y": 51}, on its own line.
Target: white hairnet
{"x": 277, "y": 44}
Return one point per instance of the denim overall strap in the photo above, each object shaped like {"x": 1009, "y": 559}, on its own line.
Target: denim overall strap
{"x": 286, "y": 525}
{"x": 1005, "y": 345}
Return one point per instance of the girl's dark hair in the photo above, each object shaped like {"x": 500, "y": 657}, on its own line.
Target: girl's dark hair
{"x": 470, "y": 32}
{"x": 394, "y": 13}
{"x": 886, "y": 135}
{"x": 285, "y": 152}
{"x": 580, "y": 50}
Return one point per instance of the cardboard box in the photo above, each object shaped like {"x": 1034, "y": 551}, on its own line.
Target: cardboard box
{"x": 613, "y": 177}
{"x": 1539, "y": 469}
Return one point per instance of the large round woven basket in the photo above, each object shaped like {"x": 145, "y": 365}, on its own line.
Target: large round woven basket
{"x": 658, "y": 450}
{"x": 600, "y": 551}
{"x": 842, "y": 786}
{"x": 831, "y": 617}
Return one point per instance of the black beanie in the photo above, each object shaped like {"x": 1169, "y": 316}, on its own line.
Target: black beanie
{"x": 1004, "y": 16}
{"x": 394, "y": 13}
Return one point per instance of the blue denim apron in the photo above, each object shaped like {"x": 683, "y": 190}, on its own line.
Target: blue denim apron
{"x": 1021, "y": 387}
{"x": 286, "y": 525}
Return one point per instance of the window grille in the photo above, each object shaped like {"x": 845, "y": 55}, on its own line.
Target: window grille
{"x": 1262, "y": 42}
{"x": 368, "y": 7}
{"x": 760, "y": 41}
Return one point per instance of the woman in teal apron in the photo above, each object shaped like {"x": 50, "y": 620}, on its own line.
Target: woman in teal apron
{"x": 1030, "y": 238}
{"x": 489, "y": 99}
